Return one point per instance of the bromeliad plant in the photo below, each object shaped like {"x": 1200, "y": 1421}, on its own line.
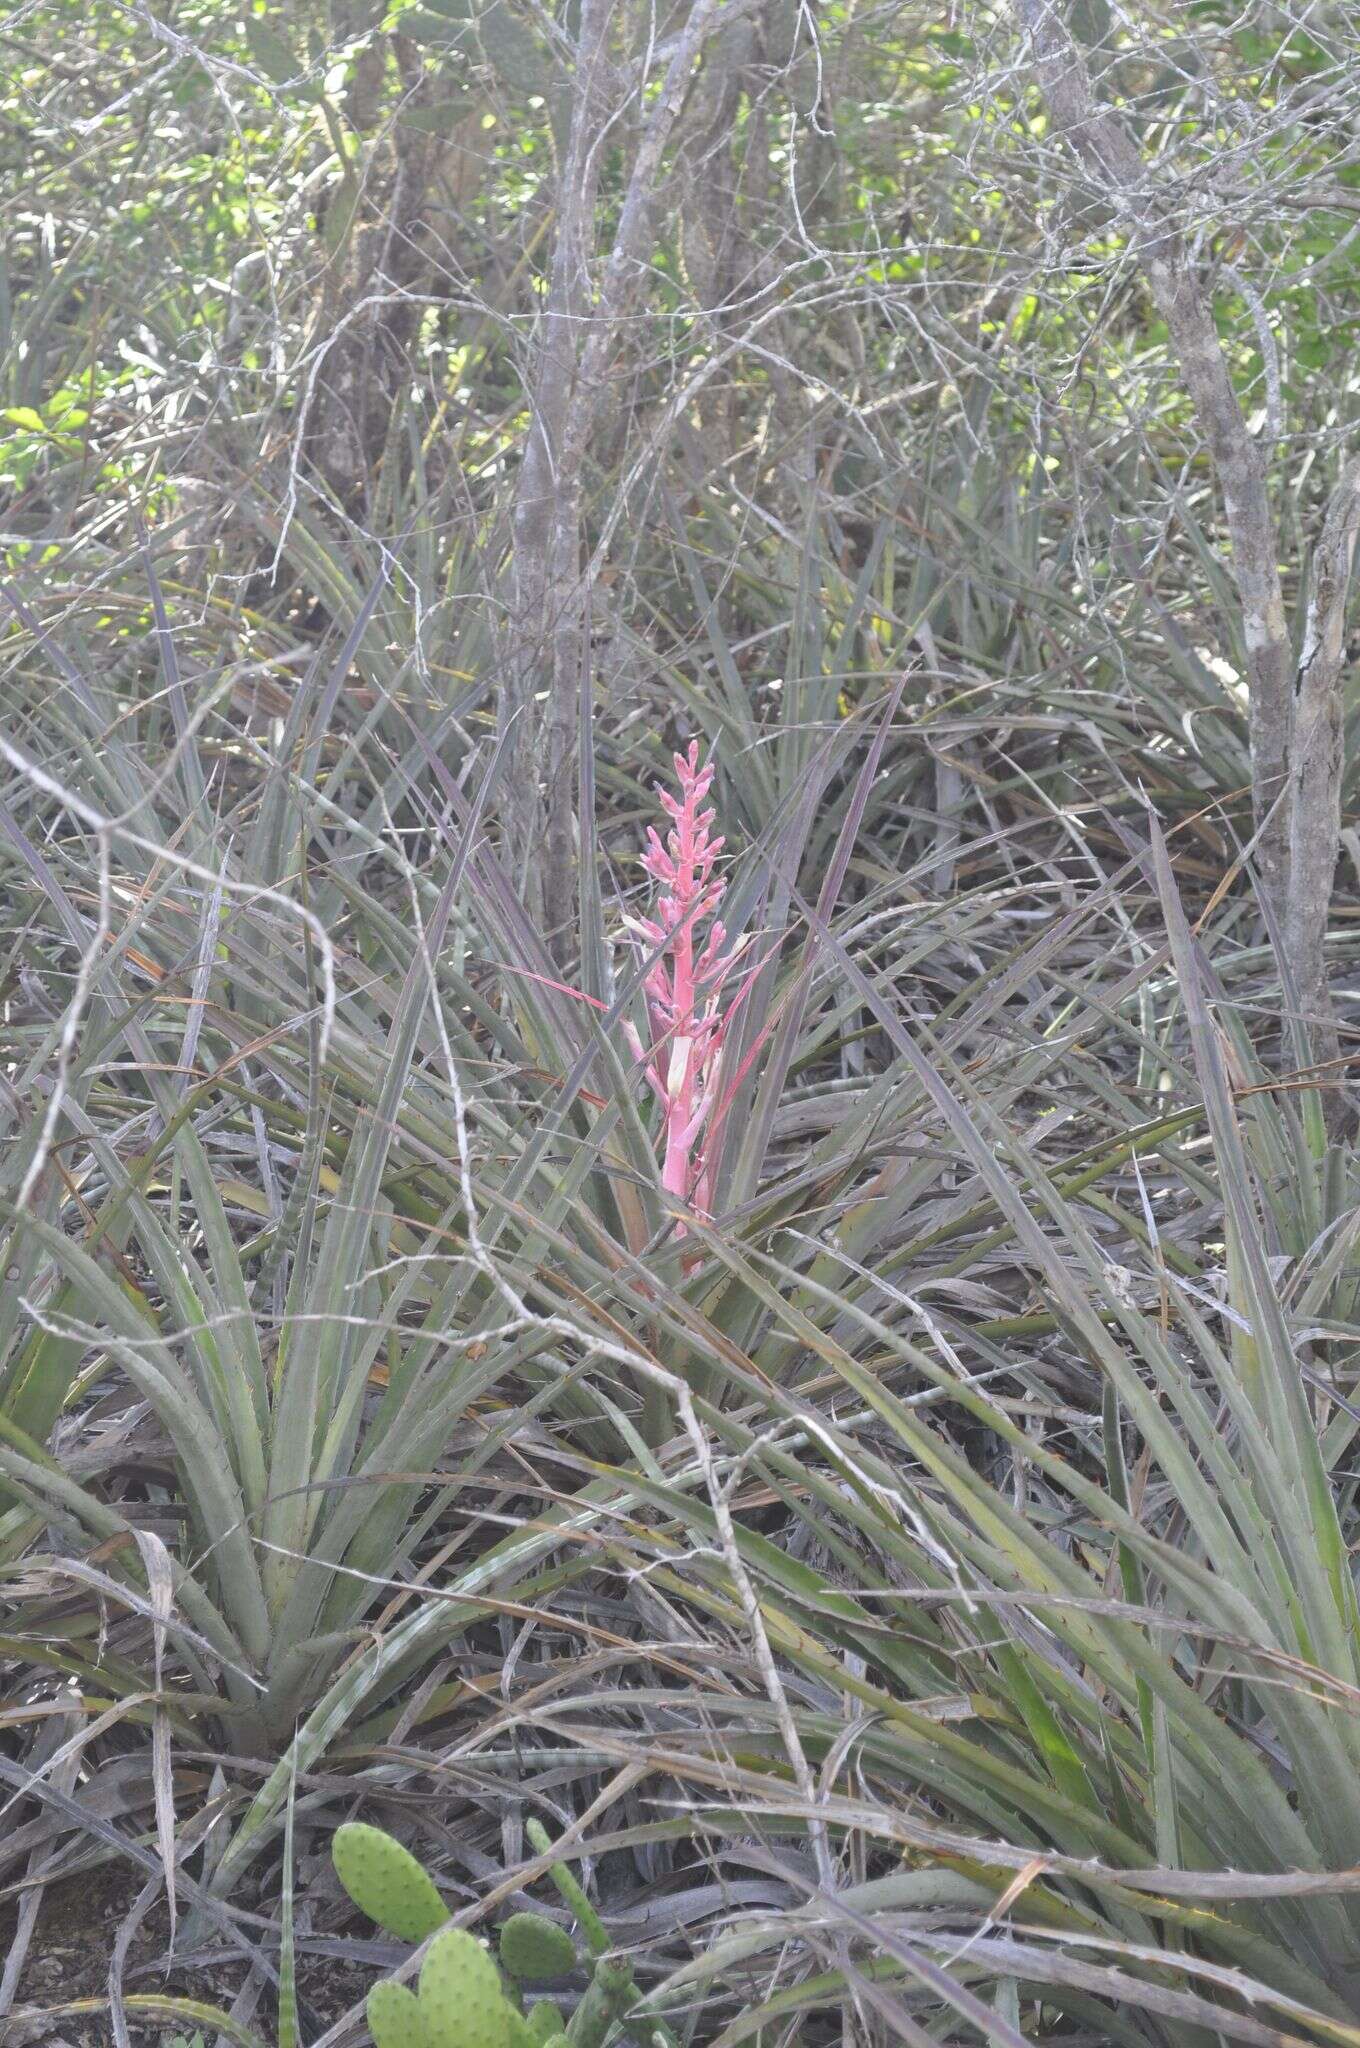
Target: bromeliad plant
{"x": 688, "y": 985}
{"x": 464, "y": 2000}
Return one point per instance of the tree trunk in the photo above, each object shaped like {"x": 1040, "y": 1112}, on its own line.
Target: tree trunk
{"x": 568, "y": 384}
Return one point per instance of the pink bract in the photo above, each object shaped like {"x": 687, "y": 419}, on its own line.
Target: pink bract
{"x": 685, "y": 985}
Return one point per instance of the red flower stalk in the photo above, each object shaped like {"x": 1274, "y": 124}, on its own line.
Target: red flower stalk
{"x": 685, "y": 984}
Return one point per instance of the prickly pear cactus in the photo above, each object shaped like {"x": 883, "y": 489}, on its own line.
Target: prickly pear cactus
{"x": 386, "y": 1882}
{"x": 394, "y": 2017}
{"x": 522, "y": 2034}
{"x": 461, "y": 2000}
{"x": 534, "y": 1949}
{"x": 587, "y": 1919}
{"x": 544, "y": 2021}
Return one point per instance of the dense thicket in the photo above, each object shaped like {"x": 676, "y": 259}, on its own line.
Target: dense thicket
{"x": 885, "y": 1495}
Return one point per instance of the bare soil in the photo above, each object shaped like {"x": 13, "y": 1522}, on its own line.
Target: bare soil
{"x": 72, "y": 1947}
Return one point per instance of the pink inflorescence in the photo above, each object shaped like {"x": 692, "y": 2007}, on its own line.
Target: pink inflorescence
{"x": 684, "y": 986}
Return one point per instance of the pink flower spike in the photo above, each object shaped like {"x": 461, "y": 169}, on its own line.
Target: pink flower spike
{"x": 684, "y": 986}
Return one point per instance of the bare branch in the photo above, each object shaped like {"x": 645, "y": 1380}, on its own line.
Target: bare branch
{"x": 1102, "y": 144}
{"x": 1316, "y": 755}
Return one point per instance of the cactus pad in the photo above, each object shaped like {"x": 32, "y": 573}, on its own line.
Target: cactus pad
{"x": 386, "y": 1882}
{"x": 461, "y": 1999}
{"x": 394, "y": 2017}
{"x": 521, "y": 2034}
{"x": 533, "y": 1949}
{"x": 587, "y": 1919}
{"x": 544, "y": 2021}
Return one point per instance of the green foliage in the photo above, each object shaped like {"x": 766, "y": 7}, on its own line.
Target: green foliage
{"x": 270, "y": 49}
{"x": 491, "y": 33}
